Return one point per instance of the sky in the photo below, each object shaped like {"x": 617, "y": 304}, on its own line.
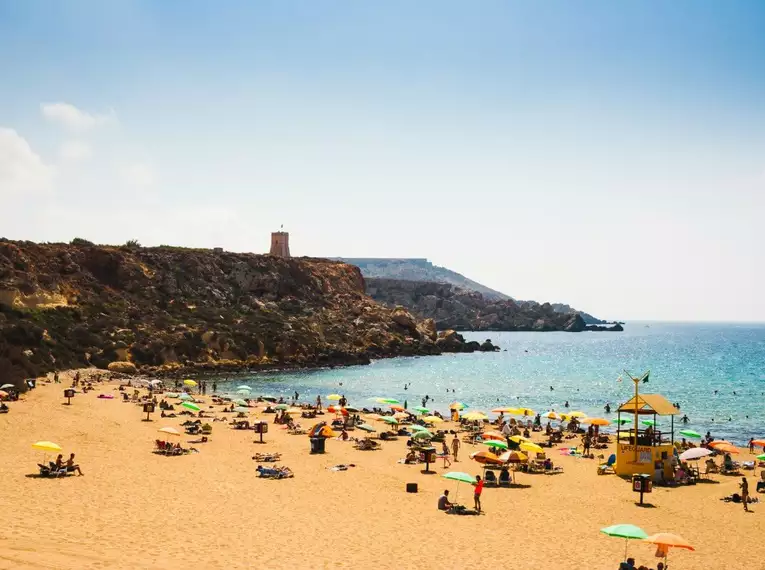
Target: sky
{"x": 609, "y": 155}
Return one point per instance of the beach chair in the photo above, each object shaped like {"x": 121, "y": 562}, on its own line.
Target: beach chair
{"x": 45, "y": 471}
{"x": 504, "y": 478}
{"x": 608, "y": 466}
{"x": 490, "y": 480}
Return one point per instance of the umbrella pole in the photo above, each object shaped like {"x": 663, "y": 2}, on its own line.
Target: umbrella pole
{"x": 626, "y": 543}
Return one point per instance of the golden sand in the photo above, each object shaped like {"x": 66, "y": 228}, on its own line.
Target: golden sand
{"x": 136, "y": 509}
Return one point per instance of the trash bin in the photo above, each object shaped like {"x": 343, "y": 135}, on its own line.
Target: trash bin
{"x": 642, "y": 483}
{"x": 317, "y": 444}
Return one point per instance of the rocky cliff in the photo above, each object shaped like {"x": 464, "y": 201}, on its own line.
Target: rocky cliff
{"x": 460, "y": 309}
{"x": 175, "y": 309}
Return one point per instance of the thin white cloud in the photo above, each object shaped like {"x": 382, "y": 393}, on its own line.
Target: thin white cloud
{"x": 21, "y": 169}
{"x": 73, "y": 118}
{"x": 138, "y": 175}
{"x": 75, "y": 151}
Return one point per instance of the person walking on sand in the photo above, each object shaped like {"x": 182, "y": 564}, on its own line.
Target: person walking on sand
{"x": 455, "y": 447}
{"x": 745, "y": 493}
{"x": 318, "y": 402}
{"x": 477, "y": 492}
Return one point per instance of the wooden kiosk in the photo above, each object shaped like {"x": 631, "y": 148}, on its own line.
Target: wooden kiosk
{"x": 641, "y": 448}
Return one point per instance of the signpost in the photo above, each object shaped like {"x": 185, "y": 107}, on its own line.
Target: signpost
{"x": 149, "y": 409}
{"x": 69, "y": 394}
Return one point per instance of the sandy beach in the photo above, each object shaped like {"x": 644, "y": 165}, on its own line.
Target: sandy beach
{"x": 136, "y": 509}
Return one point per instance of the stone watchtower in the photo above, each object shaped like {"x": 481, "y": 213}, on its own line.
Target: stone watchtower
{"x": 280, "y": 244}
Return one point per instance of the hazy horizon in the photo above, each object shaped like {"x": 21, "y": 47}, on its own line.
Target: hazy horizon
{"x": 610, "y": 156}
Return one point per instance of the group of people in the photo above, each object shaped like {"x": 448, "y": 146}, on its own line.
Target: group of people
{"x": 70, "y": 465}
{"x": 445, "y": 505}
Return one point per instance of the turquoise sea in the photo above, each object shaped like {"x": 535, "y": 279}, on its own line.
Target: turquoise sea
{"x": 688, "y": 362}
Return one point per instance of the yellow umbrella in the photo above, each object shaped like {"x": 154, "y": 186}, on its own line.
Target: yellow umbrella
{"x": 523, "y": 412}
{"x": 400, "y": 415}
{"x": 576, "y": 415}
{"x": 295, "y": 411}
{"x": 47, "y": 446}
{"x": 373, "y": 416}
{"x": 529, "y": 446}
{"x": 169, "y": 430}
{"x": 513, "y": 456}
{"x": 334, "y": 397}
{"x": 519, "y": 439}
{"x": 552, "y": 416}
{"x": 472, "y": 416}
{"x": 189, "y": 383}
{"x": 503, "y": 410}
{"x": 432, "y": 419}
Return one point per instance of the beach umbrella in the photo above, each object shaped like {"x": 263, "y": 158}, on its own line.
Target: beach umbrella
{"x": 648, "y": 422}
{"x": 422, "y": 435}
{"x": 493, "y": 435}
{"x": 396, "y": 408}
{"x": 7, "y": 387}
{"x": 513, "y": 457}
{"x": 627, "y": 532}
{"x": 366, "y": 427}
{"x": 486, "y": 458}
{"x": 47, "y": 446}
{"x": 387, "y": 401}
{"x": 243, "y": 392}
{"x": 694, "y": 453}
{"x": 596, "y": 421}
{"x": 665, "y": 541}
{"x": 172, "y": 394}
{"x": 523, "y": 412}
{"x": 243, "y": 387}
{"x": 276, "y": 407}
{"x": 155, "y": 382}
{"x": 690, "y": 433}
{"x": 416, "y": 427}
{"x": 388, "y": 420}
{"x": 576, "y": 414}
{"x": 189, "y": 383}
{"x": 241, "y": 402}
{"x": 495, "y": 444}
{"x": 191, "y": 406}
{"x": 623, "y": 421}
{"x": 457, "y": 406}
{"x": 727, "y": 448}
{"x": 352, "y": 409}
{"x": 475, "y": 416}
{"x": 519, "y": 438}
{"x": 241, "y": 410}
{"x": 400, "y": 415}
{"x": 503, "y": 410}
{"x": 185, "y": 397}
{"x": 271, "y": 399}
{"x": 421, "y": 410}
{"x": 759, "y": 442}
{"x": 373, "y": 416}
{"x": 169, "y": 430}
{"x": 552, "y": 415}
{"x": 714, "y": 444}
{"x": 334, "y": 397}
{"x": 432, "y": 419}
{"x": 528, "y": 446}
{"x": 460, "y": 477}
{"x": 294, "y": 410}
{"x": 760, "y": 457}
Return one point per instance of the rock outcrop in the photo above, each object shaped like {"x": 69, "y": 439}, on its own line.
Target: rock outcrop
{"x": 170, "y": 309}
{"x": 456, "y": 309}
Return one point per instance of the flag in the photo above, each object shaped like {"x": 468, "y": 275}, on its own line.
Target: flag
{"x": 644, "y": 377}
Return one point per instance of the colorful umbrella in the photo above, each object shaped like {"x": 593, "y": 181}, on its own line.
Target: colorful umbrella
{"x": 421, "y": 409}
{"x": 623, "y": 421}
{"x": 493, "y": 435}
{"x": 189, "y": 383}
{"x": 495, "y": 444}
{"x": 169, "y": 430}
{"x": 503, "y": 410}
{"x": 276, "y": 407}
{"x": 552, "y": 416}
{"x": 648, "y": 422}
{"x": 627, "y": 532}
{"x": 334, "y": 397}
{"x": 388, "y": 420}
{"x": 759, "y": 442}
{"x": 243, "y": 387}
{"x": 486, "y": 458}
{"x": 7, "y": 386}
{"x": 191, "y": 406}
{"x": 373, "y": 416}
{"x": 761, "y": 457}
{"x": 241, "y": 402}
{"x": 47, "y": 446}
{"x": 528, "y": 446}
{"x": 416, "y": 427}
{"x": 714, "y": 444}
{"x": 577, "y": 414}
{"x": 694, "y": 453}
{"x": 665, "y": 541}
{"x": 242, "y": 410}
{"x": 400, "y": 415}
{"x": 513, "y": 457}
{"x": 519, "y": 438}
{"x": 690, "y": 433}
{"x": 185, "y": 397}
{"x": 459, "y": 476}
{"x": 387, "y": 401}
{"x": 422, "y": 435}
{"x": 727, "y": 448}
{"x": 366, "y": 427}
{"x": 475, "y": 416}
{"x": 432, "y": 419}
{"x": 457, "y": 406}
{"x": 172, "y": 394}
{"x": 596, "y": 421}
{"x": 397, "y": 408}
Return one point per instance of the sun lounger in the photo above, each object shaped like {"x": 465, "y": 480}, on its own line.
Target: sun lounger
{"x": 490, "y": 480}
{"x": 608, "y": 466}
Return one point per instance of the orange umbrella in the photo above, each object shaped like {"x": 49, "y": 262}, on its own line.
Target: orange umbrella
{"x": 668, "y": 539}
{"x": 493, "y": 435}
{"x": 486, "y": 458}
{"x": 513, "y": 457}
{"x": 759, "y": 442}
{"x": 596, "y": 421}
{"x": 727, "y": 448}
{"x": 714, "y": 444}
{"x": 397, "y": 408}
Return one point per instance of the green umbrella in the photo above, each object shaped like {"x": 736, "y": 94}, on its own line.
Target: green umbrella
{"x": 281, "y": 407}
{"x": 422, "y": 435}
{"x": 496, "y": 443}
{"x": 388, "y": 420}
{"x": 240, "y": 402}
{"x": 625, "y": 531}
{"x": 268, "y": 398}
{"x": 191, "y": 406}
{"x": 387, "y": 401}
{"x": 185, "y": 396}
{"x": 421, "y": 409}
{"x": 460, "y": 477}
{"x": 689, "y": 433}
{"x": 416, "y": 427}
{"x": 242, "y": 410}
{"x": 172, "y": 394}
{"x": 648, "y": 422}
{"x": 624, "y": 421}
{"x": 366, "y": 427}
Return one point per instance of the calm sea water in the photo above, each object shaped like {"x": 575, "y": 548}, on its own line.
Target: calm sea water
{"x": 688, "y": 362}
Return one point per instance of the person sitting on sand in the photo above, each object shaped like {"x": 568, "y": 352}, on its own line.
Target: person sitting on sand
{"x": 443, "y": 501}
{"x": 3, "y": 408}
{"x": 411, "y": 457}
{"x": 59, "y": 462}
{"x": 71, "y": 466}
